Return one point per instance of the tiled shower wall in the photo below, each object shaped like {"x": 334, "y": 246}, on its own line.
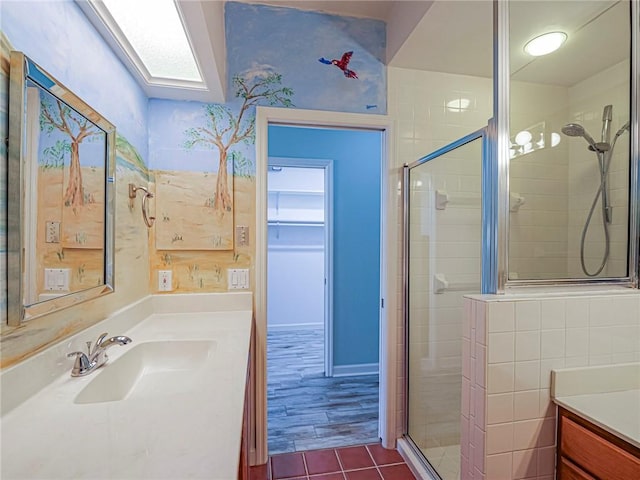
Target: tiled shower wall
{"x": 587, "y": 100}
{"x": 511, "y": 346}
{"x": 417, "y": 100}
{"x": 538, "y": 229}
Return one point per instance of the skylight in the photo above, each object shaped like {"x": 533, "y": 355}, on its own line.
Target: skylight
{"x": 156, "y": 36}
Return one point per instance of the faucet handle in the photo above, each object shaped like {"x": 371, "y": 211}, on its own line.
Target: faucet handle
{"x": 101, "y": 339}
{"x": 82, "y": 364}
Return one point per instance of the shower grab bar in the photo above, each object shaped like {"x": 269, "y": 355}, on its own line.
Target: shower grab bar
{"x": 516, "y": 201}
{"x": 443, "y": 198}
{"x": 441, "y": 285}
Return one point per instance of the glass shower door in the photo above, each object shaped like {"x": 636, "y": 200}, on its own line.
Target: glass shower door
{"x": 443, "y": 257}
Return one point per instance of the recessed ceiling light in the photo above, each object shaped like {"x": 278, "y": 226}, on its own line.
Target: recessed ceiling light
{"x": 523, "y": 138}
{"x": 545, "y": 44}
{"x": 458, "y": 104}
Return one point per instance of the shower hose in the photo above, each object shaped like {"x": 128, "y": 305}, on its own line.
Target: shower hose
{"x": 604, "y": 164}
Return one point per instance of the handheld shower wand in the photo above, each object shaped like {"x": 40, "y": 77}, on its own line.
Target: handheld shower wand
{"x": 577, "y": 130}
{"x": 604, "y": 152}
{"x": 607, "y": 116}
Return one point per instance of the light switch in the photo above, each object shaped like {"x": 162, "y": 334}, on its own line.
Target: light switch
{"x": 242, "y": 235}
{"x": 238, "y": 278}
{"x": 57, "y": 279}
{"x": 164, "y": 281}
{"x": 52, "y": 232}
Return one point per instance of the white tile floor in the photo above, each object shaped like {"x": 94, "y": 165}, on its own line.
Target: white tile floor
{"x": 446, "y": 461}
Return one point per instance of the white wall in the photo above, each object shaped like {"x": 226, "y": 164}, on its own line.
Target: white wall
{"x": 295, "y": 253}
{"x": 295, "y": 277}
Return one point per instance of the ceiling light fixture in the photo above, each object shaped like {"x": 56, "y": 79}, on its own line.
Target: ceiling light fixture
{"x": 545, "y": 43}
{"x": 523, "y": 138}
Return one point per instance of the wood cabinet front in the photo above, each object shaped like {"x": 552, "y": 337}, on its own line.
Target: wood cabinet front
{"x": 586, "y": 451}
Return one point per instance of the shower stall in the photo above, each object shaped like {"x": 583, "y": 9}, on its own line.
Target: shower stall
{"x": 443, "y": 260}
{"x": 544, "y": 194}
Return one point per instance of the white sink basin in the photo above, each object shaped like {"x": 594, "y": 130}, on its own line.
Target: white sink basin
{"x": 149, "y": 369}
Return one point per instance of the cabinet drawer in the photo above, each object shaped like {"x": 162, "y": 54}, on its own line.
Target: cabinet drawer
{"x": 596, "y": 455}
{"x": 567, "y": 470}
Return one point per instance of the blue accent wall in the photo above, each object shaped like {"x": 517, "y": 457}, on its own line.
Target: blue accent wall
{"x": 356, "y": 183}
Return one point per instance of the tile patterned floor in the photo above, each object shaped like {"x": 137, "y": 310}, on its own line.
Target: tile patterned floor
{"x": 445, "y": 460}
{"x": 307, "y": 410}
{"x": 362, "y": 462}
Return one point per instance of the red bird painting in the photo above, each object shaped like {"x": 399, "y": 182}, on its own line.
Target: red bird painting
{"x": 342, "y": 64}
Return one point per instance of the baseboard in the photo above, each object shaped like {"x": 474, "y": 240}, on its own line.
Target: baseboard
{"x": 356, "y": 369}
{"x": 296, "y": 326}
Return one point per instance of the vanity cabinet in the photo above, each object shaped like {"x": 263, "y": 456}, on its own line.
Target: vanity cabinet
{"x": 588, "y": 452}
{"x": 243, "y": 467}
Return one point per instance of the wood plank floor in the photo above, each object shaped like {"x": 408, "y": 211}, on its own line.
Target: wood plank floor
{"x": 308, "y": 411}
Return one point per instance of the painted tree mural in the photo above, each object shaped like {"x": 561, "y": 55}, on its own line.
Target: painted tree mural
{"x": 224, "y": 129}
{"x": 57, "y": 115}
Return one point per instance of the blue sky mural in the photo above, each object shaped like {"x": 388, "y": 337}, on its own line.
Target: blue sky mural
{"x": 291, "y": 42}
{"x": 169, "y": 121}
{"x": 79, "y": 58}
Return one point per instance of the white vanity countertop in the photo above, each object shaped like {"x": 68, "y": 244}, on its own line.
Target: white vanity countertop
{"x": 607, "y": 396}
{"x": 181, "y": 433}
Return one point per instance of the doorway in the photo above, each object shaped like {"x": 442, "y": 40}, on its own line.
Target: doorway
{"x": 314, "y": 405}
{"x": 389, "y": 266}
{"x": 300, "y": 233}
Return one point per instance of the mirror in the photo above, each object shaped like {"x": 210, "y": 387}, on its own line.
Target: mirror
{"x": 570, "y": 171}
{"x": 60, "y": 195}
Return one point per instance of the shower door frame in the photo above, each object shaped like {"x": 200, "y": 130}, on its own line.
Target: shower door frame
{"x": 489, "y": 250}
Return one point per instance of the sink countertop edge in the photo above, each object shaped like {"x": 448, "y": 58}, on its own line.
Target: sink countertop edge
{"x": 215, "y": 434}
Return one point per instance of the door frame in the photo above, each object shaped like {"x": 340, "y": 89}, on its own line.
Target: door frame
{"x": 390, "y": 312}
{"x": 327, "y": 166}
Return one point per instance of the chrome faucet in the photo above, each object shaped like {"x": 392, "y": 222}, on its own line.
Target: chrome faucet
{"x": 94, "y": 358}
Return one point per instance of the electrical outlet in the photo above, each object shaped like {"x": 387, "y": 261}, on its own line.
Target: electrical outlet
{"x": 164, "y": 281}
{"x": 238, "y": 279}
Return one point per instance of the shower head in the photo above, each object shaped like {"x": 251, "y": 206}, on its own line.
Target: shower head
{"x": 577, "y": 130}
{"x": 607, "y": 116}
{"x": 574, "y": 130}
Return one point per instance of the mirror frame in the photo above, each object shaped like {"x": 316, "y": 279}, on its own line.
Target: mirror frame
{"x": 23, "y": 69}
